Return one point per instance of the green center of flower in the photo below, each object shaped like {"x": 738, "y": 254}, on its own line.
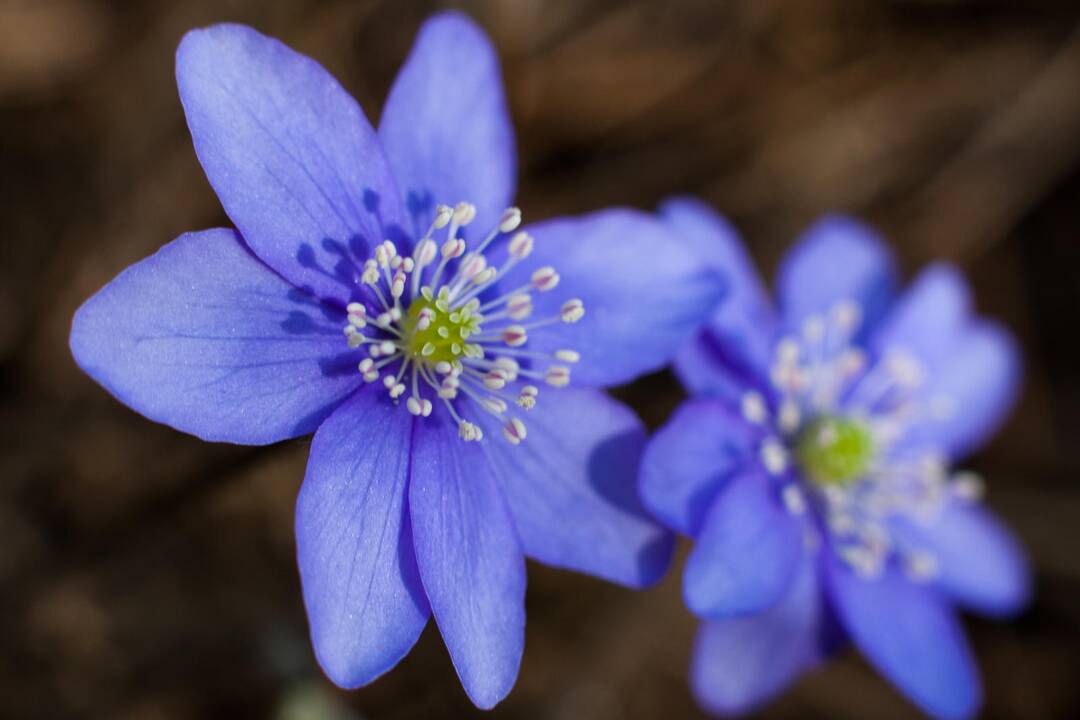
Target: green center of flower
{"x": 438, "y": 333}
{"x": 835, "y": 450}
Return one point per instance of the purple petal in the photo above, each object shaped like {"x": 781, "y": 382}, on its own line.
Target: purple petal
{"x": 645, "y": 293}
{"x": 701, "y": 367}
{"x": 691, "y": 459}
{"x": 362, "y": 590}
{"x": 837, "y": 259}
{"x": 290, "y": 154}
{"x": 470, "y": 558}
{"x": 911, "y": 635}
{"x": 971, "y": 393}
{"x": 747, "y": 554}
{"x": 446, "y": 125}
{"x": 926, "y": 320}
{"x": 742, "y": 662}
{"x": 743, "y": 326}
{"x": 571, "y": 488}
{"x": 980, "y": 564}
{"x": 205, "y": 338}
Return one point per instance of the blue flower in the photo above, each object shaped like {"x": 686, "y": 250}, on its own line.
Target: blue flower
{"x": 352, "y": 303}
{"x": 812, "y": 470}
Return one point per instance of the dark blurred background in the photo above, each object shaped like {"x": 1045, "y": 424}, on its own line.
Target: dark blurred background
{"x": 145, "y": 574}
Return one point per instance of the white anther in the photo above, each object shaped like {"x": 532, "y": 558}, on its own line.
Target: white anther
{"x": 383, "y": 320}
{"x": 424, "y": 318}
{"x": 968, "y": 486}
{"x": 509, "y": 367}
{"x": 826, "y": 434}
{"x": 371, "y": 376}
{"x": 443, "y": 214}
{"x": 852, "y": 362}
{"x": 366, "y": 364}
{"x": 545, "y": 278}
{"x": 408, "y": 264}
{"x": 357, "y": 314}
{"x": 840, "y": 523}
{"x": 514, "y": 335}
{"x": 569, "y": 356}
{"x": 469, "y": 432}
{"x": 464, "y": 213}
{"x": 794, "y": 499}
{"x": 385, "y": 252}
{"x": 557, "y": 376}
{"x": 865, "y": 564}
{"x": 395, "y": 313}
{"x": 495, "y": 405}
{"x": 527, "y": 397}
{"x": 453, "y": 248}
{"x": 473, "y": 265}
{"x": 774, "y": 456}
{"x": 397, "y": 288}
{"x": 414, "y": 406}
{"x": 572, "y": 311}
{"x": 484, "y": 276}
{"x": 754, "y": 408}
{"x": 387, "y": 348}
{"x": 519, "y": 307}
{"x": 397, "y": 391}
{"x": 355, "y": 338}
{"x": 846, "y": 315}
{"x": 443, "y": 367}
{"x": 396, "y": 262}
{"x": 904, "y": 368}
{"x": 426, "y": 407}
{"x": 425, "y": 252}
{"x": 789, "y": 417}
{"x": 787, "y": 351}
{"x": 510, "y": 220}
{"x": 521, "y": 245}
{"x": 389, "y": 381}
{"x": 494, "y": 379}
{"x": 920, "y": 566}
{"x": 514, "y": 431}
{"x": 370, "y": 275}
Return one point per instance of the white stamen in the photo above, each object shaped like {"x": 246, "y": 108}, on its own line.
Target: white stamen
{"x": 478, "y": 358}
{"x": 443, "y": 215}
{"x": 527, "y": 397}
{"x": 514, "y": 431}
{"x": 521, "y": 245}
{"x": 774, "y": 456}
{"x": 794, "y": 500}
{"x": 557, "y": 376}
{"x": 545, "y": 279}
{"x": 514, "y": 335}
{"x": 572, "y": 311}
{"x": 510, "y": 220}
{"x": 464, "y": 213}
{"x": 753, "y": 407}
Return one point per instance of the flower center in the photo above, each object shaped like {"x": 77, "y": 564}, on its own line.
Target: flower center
{"x": 838, "y": 417}
{"x": 431, "y": 326}
{"x": 834, "y": 450}
{"x": 443, "y": 337}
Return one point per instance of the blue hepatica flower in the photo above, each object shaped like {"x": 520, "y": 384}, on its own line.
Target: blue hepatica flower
{"x": 812, "y": 470}
{"x": 351, "y": 303}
